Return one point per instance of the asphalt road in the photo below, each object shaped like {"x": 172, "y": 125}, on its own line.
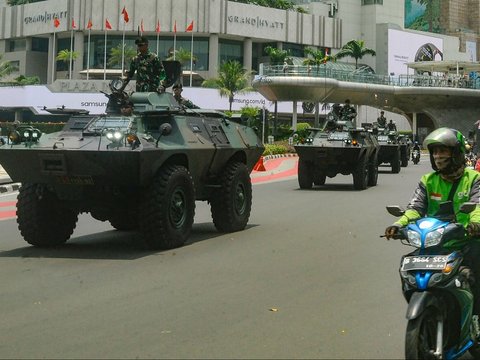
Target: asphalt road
{"x": 308, "y": 278}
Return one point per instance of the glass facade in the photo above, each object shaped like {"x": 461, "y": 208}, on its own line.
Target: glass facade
{"x": 165, "y": 46}
{"x": 40, "y": 44}
{"x": 230, "y": 50}
{"x": 372, "y": 2}
{"x": 17, "y": 45}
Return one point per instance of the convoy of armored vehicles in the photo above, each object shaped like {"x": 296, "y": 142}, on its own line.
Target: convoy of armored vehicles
{"x": 140, "y": 172}
{"x": 394, "y": 149}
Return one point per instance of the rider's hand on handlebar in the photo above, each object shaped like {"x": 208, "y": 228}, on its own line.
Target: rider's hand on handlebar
{"x": 391, "y": 231}
{"x": 473, "y": 229}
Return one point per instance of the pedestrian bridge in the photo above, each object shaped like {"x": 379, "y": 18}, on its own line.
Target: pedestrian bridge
{"x": 452, "y": 101}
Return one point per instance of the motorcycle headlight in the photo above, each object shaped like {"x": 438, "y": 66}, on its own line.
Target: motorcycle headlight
{"x": 433, "y": 238}
{"x": 414, "y": 238}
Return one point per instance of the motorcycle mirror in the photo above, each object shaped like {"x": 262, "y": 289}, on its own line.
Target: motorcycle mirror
{"x": 468, "y": 207}
{"x": 395, "y": 210}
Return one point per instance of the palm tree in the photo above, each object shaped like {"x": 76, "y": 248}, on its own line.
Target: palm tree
{"x": 6, "y": 67}
{"x": 232, "y": 79}
{"x": 183, "y": 56}
{"x": 355, "y": 49}
{"x": 277, "y": 56}
{"x": 64, "y": 55}
{"x": 116, "y": 55}
{"x": 318, "y": 57}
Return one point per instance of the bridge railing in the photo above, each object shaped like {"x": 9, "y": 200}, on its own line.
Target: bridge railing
{"x": 361, "y": 77}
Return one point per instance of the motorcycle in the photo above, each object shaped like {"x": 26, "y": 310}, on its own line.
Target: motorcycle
{"x": 437, "y": 288}
{"x": 416, "y": 156}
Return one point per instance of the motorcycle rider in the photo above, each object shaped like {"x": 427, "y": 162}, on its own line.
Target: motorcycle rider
{"x": 451, "y": 180}
{"x": 416, "y": 146}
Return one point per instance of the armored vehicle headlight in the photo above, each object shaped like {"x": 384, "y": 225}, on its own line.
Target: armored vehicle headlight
{"x": 114, "y": 135}
{"x": 36, "y": 134}
{"x": 26, "y": 134}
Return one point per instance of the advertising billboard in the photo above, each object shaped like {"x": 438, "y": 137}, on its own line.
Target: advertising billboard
{"x": 405, "y": 47}
{"x": 422, "y": 15}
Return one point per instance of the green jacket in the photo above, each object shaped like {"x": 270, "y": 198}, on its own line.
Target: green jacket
{"x": 433, "y": 190}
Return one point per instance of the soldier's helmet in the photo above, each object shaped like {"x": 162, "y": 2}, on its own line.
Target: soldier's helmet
{"x": 142, "y": 40}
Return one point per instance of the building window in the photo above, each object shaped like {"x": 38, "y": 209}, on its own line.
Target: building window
{"x": 165, "y": 50}
{"x": 296, "y": 50}
{"x": 372, "y": 2}
{"x": 230, "y": 51}
{"x": 17, "y": 45}
{"x": 39, "y": 44}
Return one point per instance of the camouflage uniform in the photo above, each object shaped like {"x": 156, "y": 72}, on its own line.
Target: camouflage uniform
{"x": 186, "y": 103}
{"x": 348, "y": 112}
{"x": 150, "y": 72}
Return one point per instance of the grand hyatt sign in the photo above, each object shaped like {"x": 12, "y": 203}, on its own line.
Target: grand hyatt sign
{"x": 46, "y": 17}
{"x": 255, "y": 22}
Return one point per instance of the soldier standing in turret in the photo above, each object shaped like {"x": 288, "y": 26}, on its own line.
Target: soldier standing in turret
{"x": 382, "y": 120}
{"x": 348, "y": 112}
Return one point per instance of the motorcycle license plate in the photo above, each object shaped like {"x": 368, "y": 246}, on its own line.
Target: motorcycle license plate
{"x": 424, "y": 262}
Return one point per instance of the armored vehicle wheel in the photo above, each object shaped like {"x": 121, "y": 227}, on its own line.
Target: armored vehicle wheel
{"x": 404, "y": 159}
{"x": 232, "y": 202}
{"x": 373, "y": 172}
{"x": 43, "y": 219}
{"x": 168, "y": 208}
{"x": 360, "y": 174}
{"x": 124, "y": 221}
{"x": 319, "y": 179}
{"x": 396, "y": 163}
{"x": 305, "y": 174}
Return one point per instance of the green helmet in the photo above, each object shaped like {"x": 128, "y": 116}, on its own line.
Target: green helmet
{"x": 447, "y": 137}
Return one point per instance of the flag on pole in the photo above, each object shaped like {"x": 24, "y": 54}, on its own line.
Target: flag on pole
{"x": 107, "y": 25}
{"x": 175, "y": 27}
{"x": 125, "y": 15}
{"x": 89, "y": 27}
{"x": 56, "y": 22}
{"x": 141, "y": 28}
{"x": 157, "y": 30}
{"x": 190, "y": 29}
{"x": 70, "y": 66}
{"x": 174, "y": 39}
{"x": 73, "y": 24}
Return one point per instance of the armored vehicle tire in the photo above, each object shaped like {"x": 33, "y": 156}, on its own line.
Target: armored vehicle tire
{"x": 395, "y": 163}
{"x": 124, "y": 221}
{"x": 373, "y": 172}
{"x": 360, "y": 174}
{"x": 305, "y": 174}
{"x": 232, "y": 202}
{"x": 404, "y": 161}
{"x": 319, "y": 179}
{"x": 168, "y": 208}
{"x": 43, "y": 219}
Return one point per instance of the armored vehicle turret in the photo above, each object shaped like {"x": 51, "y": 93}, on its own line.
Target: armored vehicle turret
{"x": 140, "y": 172}
{"x": 394, "y": 149}
{"x": 338, "y": 148}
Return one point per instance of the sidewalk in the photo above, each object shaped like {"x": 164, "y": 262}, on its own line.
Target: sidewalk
{"x": 6, "y": 184}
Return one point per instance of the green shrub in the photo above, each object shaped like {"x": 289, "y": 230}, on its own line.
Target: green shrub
{"x": 274, "y": 149}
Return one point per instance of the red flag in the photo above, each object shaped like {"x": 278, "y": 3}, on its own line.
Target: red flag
{"x": 56, "y": 22}
{"x": 141, "y": 26}
{"x": 73, "y": 24}
{"x": 157, "y": 28}
{"x": 89, "y": 25}
{"x": 190, "y": 27}
{"x": 107, "y": 25}
{"x": 175, "y": 27}
{"x": 125, "y": 15}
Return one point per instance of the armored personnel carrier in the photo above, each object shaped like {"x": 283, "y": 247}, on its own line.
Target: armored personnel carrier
{"x": 394, "y": 149}
{"x": 141, "y": 172}
{"x": 338, "y": 148}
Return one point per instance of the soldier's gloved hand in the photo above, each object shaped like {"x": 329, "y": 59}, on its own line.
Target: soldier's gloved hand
{"x": 161, "y": 89}
{"x": 391, "y": 231}
{"x": 473, "y": 229}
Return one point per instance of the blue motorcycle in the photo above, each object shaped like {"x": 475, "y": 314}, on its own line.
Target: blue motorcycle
{"x": 437, "y": 288}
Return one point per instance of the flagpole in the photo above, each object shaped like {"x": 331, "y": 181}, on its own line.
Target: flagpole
{"x": 71, "y": 56}
{"x": 191, "y": 61}
{"x": 158, "y": 35}
{"x": 105, "y": 58}
{"x": 53, "y": 62}
{"x": 174, "y": 40}
{"x": 123, "y": 48}
{"x": 88, "y": 54}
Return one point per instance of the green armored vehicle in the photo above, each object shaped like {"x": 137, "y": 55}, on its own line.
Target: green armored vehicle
{"x": 141, "y": 172}
{"x": 394, "y": 149}
{"x": 338, "y": 148}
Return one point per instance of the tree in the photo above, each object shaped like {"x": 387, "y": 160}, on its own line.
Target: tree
{"x": 116, "y": 55}
{"x": 277, "y": 56}
{"x": 6, "y": 67}
{"x": 183, "y": 56}
{"x": 355, "y": 49}
{"x": 27, "y": 80}
{"x": 232, "y": 79}
{"x": 318, "y": 57}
